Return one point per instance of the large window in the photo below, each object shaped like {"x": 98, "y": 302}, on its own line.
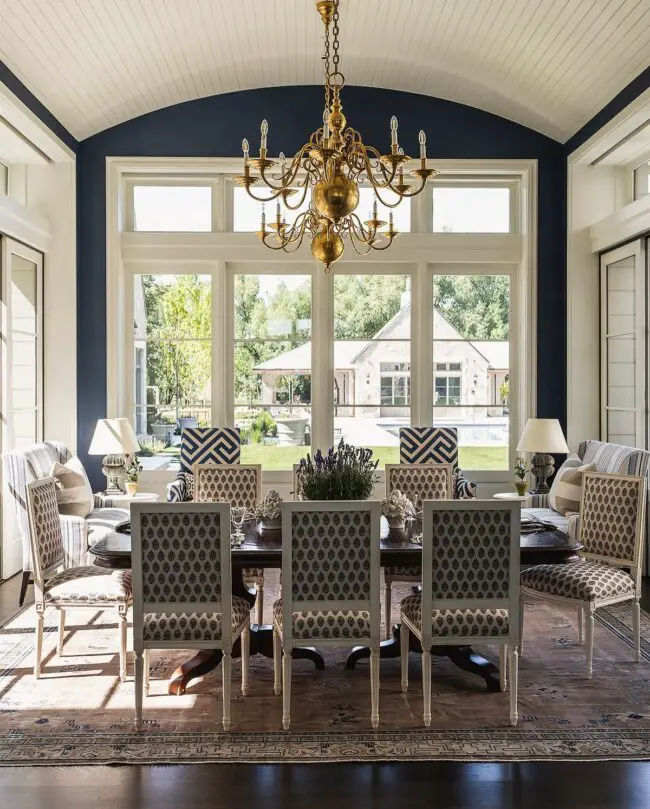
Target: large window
{"x": 372, "y": 361}
{"x": 272, "y": 367}
{"x": 433, "y": 331}
{"x": 172, "y": 359}
{"x": 471, "y": 353}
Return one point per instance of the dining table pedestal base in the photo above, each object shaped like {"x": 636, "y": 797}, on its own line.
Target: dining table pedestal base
{"x": 462, "y": 656}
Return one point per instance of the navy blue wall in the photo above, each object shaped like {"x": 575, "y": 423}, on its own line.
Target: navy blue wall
{"x": 214, "y": 127}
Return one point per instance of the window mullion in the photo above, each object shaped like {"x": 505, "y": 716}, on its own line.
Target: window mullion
{"x": 421, "y": 347}
{"x": 322, "y": 359}
{"x": 222, "y": 385}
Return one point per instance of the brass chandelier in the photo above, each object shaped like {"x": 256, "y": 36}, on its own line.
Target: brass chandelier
{"x": 332, "y": 163}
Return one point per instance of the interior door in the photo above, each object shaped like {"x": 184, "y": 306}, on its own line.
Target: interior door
{"x": 21, "y": 371}
{"x": 624, "y": 346}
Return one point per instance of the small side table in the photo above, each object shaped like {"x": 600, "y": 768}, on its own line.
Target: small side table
{"x": 124, "y": 500}
{"x": 511, "y": 496}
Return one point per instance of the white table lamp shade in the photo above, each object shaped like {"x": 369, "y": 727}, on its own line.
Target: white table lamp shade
{"x": 543, "y": 435}
{"x": 113, "y": 437}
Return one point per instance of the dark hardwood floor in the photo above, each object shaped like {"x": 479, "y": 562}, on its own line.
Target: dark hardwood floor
{"x": 439, "y": 785}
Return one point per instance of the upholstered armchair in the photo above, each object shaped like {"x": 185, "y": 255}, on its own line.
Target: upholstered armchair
{"x": 470, "y": 591}
{"x": 202, "y": 445}
{"x": 22, "y": 467}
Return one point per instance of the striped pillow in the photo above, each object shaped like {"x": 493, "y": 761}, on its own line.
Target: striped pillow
{"x": 566, "y": 489}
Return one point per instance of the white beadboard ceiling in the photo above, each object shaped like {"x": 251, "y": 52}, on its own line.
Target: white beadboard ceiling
{"x": 548, "y": 64}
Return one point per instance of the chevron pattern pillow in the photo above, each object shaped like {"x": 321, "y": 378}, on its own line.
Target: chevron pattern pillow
{"x": 209, "y": 445}
{"x": 428, "y": 445}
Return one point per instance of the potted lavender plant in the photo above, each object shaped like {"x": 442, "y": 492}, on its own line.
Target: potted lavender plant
{"x": 344, "y": 473}
{"x": 397, "y": 508}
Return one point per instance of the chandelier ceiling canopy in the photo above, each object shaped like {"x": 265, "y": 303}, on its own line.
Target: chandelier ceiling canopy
{"x": 330, "y": 167}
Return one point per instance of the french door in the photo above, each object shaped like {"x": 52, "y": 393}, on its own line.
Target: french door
{"x": 21, "y": 371}
{"x": 624, "y": 349}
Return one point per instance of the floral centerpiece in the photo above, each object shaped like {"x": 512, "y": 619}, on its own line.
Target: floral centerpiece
{"x": 397, "y": 508}
{"x": 268, "y": 512}
{"x": 132, "y": 475}
{"x": 521, "y": 470}
{"x": 344, "y": 473}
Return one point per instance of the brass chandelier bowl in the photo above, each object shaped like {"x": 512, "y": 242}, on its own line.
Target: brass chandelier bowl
{"x": 332, "y": 164}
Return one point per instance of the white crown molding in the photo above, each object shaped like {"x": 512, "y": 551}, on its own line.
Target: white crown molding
{"x": 22, "y": 224}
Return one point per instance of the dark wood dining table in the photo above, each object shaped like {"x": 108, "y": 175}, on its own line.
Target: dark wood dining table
{"x": 263, "y": 549}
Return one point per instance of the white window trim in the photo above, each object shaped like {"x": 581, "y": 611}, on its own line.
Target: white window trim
{"x": 420, "y": 254}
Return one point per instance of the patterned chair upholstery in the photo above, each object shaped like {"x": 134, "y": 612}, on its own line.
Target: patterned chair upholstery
{"x": 202, "y": 445}
{"x": 422, "y": 481}
{"x": 75, "y": 587}
{"x": 23, "y": 466}
{"x": 470, "y": 575}
{"x": 330, "y": 596}
{"x": 240, "y": 486}
{"x": 182, "y": 589}
{"x": 435, "y": 445}
{"x": 612, "y": 516}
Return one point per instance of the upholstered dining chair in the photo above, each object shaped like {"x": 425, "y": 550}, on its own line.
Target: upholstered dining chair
{"x": 182, "y": 589}
{"x": 470, "y": 586}
{"x": 422, "y": 481}
{"x": 238, "y": 485}
{"x": 330, "y": 595}
{"x": 612, "y": 527}
{"x": 72, "y": 587}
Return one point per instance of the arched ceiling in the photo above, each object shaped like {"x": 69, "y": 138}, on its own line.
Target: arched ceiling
{"x": 547, "y": 64}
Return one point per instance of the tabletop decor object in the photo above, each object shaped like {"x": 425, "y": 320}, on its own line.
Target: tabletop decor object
{"x": 541, "y": 437}
{"x": 114, "y": 439}
{"x": 521, "y": 469}
{"x": 326, "y": 173}
{"x": 132, "y": 475}
{"x": 397, "y": 508}
{"x": 268, "y": 512}
{"x": 344, "y": 473}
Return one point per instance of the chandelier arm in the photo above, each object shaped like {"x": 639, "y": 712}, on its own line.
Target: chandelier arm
{"x": 305, "y": 188}
{"x": 292, "y": 236}
{"x": 358, "y": 230}
{"x": 354, "y": 241}
{"x": 386, "y": 244}
{"x": 260, "y": 199}
{"x": 292, "y": 172}
{"x": 414, "y": 192}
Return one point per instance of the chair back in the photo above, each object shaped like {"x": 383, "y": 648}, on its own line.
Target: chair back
{"x": 209, "y": 445}
{"x": 45, "y": 533}
{"x": 330, "y": 559}
{"x": 428, "y": 445}
{"x": 419, "y": 482}
{"x": 470, "y": 559}
{"x": 181, "y": 566}
{"x": 236, "y": 484}
{"x": 612, "y": 519}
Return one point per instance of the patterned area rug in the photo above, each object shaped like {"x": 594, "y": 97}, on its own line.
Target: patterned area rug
{"x": 78, "y": 712}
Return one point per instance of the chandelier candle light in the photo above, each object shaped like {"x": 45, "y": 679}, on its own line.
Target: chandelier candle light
{"x": 332, "y": 165}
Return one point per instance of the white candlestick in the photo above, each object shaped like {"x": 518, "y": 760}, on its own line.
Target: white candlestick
{"x": 264, "y": 129}
{"x": 393, "y": 131}
{"x": 326, "y": 125}
{"x": 423, "y": 145}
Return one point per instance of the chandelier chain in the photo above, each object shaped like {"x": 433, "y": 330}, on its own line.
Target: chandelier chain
{"x": 326, "y": 59}
{"x": 335, "y": 32}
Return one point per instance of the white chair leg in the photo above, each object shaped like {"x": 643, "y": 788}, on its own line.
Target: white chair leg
{"x": 514, "y": 682}
{"x": 590, "y": 643}
{"x": 122, "y": 622}
{"x": 374, "y": 688}
{"x": 226, "y": 676}
{"x": 277, "y": 663}
{"x": 145, "y": 656}
{"x": 636, "y": 622}
{"x": 581, "y": 626}
{"x": 426, "y": 686}
{"x": 522, "y": 607}
{"x": 286, "y": 690}
{"x": 404, "y": 642}
{"x": 139, "y": 687}
{"x": 39, "y": 644}
{"x": 387, "y": 608}
{"x": 245, "y": 654}
{"x": 503, "y": 666}
{"x": 59, "y": 646}
{"x": 259, "y": 605}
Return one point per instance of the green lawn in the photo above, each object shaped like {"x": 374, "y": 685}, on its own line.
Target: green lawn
{"x": 285, "y": 457}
